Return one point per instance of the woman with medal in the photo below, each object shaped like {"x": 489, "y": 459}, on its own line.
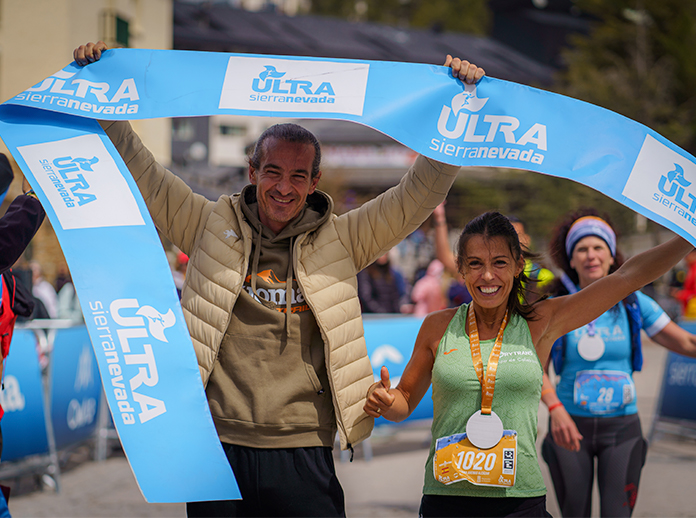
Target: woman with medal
{"x": 592, "y": 410}
{"x": 484, "y": 360}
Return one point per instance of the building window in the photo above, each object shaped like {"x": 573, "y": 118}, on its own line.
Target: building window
{"x": 183, "y": 130}
{"x": 122, "y": 31}
{"x": 115, "y": 29}
{"x": 232, "y": 131}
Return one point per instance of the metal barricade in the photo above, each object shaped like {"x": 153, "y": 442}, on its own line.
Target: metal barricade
{"x": 52, "y": 398}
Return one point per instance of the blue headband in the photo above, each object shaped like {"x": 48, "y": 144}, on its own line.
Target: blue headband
{"x": 590, "y": 226}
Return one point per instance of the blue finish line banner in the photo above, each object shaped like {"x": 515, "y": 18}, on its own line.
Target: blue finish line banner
{"x": 146, "y": 359}
{"x": 495, "y": 123}
{"x": 142, "y": 345}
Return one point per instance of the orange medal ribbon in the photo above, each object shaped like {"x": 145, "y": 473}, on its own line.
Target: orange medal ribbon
{"x": 487, "y": 384}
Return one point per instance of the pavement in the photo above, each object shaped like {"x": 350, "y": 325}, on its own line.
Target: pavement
{"x": 387, "y": 485}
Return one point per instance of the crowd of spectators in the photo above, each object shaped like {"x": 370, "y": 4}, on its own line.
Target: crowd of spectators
{"x": 410, "y": 279}
{"x": 419, "y": 276}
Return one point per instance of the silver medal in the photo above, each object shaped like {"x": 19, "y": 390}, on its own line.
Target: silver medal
{"x": 591, "y": 348}
{"x": 484, "y": 431}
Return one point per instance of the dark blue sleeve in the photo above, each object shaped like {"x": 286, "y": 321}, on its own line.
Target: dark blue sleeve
{"x": 17, "y": 228}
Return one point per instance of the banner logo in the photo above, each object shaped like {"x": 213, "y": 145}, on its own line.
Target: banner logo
{"x": 82, "y": 95}
{"x": 677, "y": 175}
{"x": 288, "y": 85}
{"x": 672, "y": 194}
{"x": 468, "y": 100}
{"x": 157, "y": 322}
{"x": 270, "y": 72}
{"x": 126, "y": 344}
{"x": 673, "y": 187}
{"x": 464, "y": 134}
{"x": 82, "y": 183}
{"x": 385, "y": 352}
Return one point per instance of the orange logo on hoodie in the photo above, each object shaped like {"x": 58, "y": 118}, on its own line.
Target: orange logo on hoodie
{"x": 267, "y": 276}
{"x": 277, "y": 295}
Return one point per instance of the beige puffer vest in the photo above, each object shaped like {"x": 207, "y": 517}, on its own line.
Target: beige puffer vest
{"x": 218, "y": 242}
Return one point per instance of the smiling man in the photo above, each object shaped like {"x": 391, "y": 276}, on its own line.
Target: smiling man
{"x": 271, "y": 302}
{"x": 284, "y": 172}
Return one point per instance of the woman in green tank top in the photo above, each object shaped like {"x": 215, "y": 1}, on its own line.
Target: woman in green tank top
{"x": 485, "y": 360}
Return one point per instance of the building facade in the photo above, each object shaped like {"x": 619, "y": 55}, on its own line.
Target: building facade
{"x": 37, "y": 38}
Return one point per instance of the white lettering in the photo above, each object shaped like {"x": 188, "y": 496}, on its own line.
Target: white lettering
{"x": 98, "y": 89}
{"x": 535, "y": 135}
{"x": 11, "y": 398}
{"x": 120, "y": 304}
{"x": 682, "y": 374}
{"x": 148, "y": 359}
{"x": 470, "y": 135}
{"x": 57, "y": 88}
{"x": 509, "y": 125}
{"x": 458, "y": 130}
{"x": 126, "y": 334}
{"x": 127, "y": 90}
{"x": 80, "y": 415}
{"x": 149, "y": 407}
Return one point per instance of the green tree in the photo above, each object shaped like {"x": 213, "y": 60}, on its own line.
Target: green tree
{"x": 541, "y": 201}
{"x": 637, "y": 61}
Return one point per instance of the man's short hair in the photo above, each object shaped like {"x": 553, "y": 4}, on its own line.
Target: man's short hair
{"x": 290, "y": 133}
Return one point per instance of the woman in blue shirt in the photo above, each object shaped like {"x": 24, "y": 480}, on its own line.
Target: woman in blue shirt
{"x": 593, "y": 412}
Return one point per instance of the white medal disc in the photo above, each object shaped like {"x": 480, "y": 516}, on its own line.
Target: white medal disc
{"x": 591, "y": 348}
{"x": 484, "y": 431}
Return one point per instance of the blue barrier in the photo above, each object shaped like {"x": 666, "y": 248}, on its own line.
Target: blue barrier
{"x": 23, "y": 425}
{"x": 70, "y": 387}
{"x": 675, "y": 412}
{"x": 75, "y": 387}
{"x": 390, "y": 340}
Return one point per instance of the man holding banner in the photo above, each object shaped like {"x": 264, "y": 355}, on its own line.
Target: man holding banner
{"x": 271, "y": 303}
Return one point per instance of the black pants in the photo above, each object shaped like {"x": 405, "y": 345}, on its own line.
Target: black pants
{"x": 279, "y": 482}
{"x": 618, "y": 444}
{"x": 445, "y": 506}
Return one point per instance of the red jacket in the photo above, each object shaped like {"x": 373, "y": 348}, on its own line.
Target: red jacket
{"x": 688, "y": 291}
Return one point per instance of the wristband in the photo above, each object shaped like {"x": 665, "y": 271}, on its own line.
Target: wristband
{"x": 546, "y": 391}
{"x": 31, "y": 193}
{"x": 555, "y": 405}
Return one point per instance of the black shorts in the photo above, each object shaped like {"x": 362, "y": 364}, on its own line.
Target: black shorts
{"x": 279, "y": 482}
{"x": 439, "y": 505}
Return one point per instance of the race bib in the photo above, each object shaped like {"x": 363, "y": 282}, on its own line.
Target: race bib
{"x": 456, "y": 459}
{"x": 603, "y": 392}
